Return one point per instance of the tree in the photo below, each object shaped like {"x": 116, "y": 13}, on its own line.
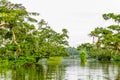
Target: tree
{"x": 108, "y": 39}
{"x": 14, "y": 26}
{"x": 22, "y": 40}
{"x": 72, "y": 51}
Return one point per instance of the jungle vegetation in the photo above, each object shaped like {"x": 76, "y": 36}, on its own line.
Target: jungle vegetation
{"x": 24, "y": 38}
{"x": 72, "y": 51}
{"x": 106, "y": 41}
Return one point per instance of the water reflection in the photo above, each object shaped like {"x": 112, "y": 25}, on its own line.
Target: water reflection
{"x": 69, "y": 69}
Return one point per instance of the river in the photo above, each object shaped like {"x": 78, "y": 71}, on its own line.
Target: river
{"x": 67, "y": 69}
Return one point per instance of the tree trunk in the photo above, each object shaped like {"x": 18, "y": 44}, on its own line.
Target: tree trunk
{"x": 14, "y": 40}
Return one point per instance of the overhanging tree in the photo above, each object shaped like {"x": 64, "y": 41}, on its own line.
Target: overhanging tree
{"x": 20, "y": 38}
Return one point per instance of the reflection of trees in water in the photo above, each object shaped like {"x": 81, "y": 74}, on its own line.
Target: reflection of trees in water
{"x": 55, "y": 72}
{"x": 118, "y": 76}
{"x": 33, "y": 72}
{"x": 3, "y": 72}
{"x": 109, "y": 69}
{"x": 27, "y": 72}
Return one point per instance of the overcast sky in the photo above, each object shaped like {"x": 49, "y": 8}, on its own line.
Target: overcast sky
{"x": 78, "y": 16}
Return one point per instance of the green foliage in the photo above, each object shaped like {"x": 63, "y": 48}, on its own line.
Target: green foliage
{"x": 83, "y": 57}
{"x": 107, "y": 40}
{"x": 115, "y": 17}
{"x": 24, "y": 42}
{"x": 4, "y": 63}
{"x": 54, "y": 60}
{"x": 116, "y": 58}
{"x": 72, "y": 51}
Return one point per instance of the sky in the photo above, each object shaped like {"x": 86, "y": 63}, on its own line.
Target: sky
{"x": 79, "y": 17}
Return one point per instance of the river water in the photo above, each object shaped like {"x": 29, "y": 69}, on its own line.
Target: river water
{"x": 67, "y": 69}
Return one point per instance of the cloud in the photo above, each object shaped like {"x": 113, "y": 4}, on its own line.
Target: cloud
{"x": 78, "y": 16}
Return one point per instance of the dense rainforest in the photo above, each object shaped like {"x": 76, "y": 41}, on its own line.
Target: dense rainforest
{"x": 24, "y": 39}
{"x": 106, "y": 41}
